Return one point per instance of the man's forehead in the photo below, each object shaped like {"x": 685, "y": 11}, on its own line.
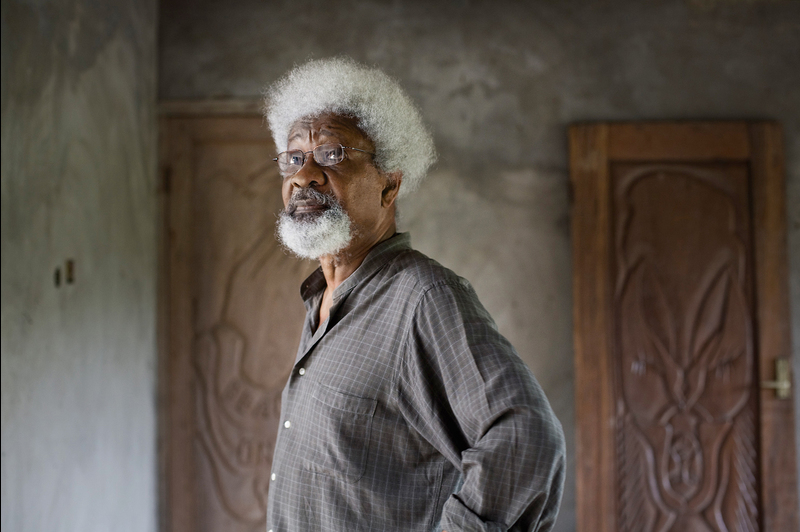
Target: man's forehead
{"x": 328, "y": 124}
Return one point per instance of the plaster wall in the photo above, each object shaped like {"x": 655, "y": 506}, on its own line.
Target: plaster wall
{"x": 499, "y": 82}
{"x": 78, "y": 182}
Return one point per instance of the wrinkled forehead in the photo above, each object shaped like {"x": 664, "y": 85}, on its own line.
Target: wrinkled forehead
{"x": 329, "y": 127}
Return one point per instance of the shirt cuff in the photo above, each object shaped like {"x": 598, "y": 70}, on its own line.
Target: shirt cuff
{"x": 458, "y": 518}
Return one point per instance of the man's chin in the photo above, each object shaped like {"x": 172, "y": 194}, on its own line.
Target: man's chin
{"x": 311, "y": 235}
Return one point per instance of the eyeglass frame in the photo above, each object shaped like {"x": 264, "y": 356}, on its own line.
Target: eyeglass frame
{"x": 305, "y": 153}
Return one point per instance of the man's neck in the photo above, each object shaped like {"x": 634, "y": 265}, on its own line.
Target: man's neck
{"x": 341, "y": 266}
{"x": 337, "y": 269}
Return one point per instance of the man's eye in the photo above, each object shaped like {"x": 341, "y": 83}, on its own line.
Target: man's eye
{"x": 295, "y": 159}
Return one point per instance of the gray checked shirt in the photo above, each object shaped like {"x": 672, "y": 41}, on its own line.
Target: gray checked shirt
{"x": 407, "y": 410}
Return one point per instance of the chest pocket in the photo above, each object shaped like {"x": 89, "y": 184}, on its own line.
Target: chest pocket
{"x": 342, "y": 433}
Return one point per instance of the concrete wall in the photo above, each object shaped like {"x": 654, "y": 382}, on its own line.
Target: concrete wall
{"x": 499, "y": 82}
{"x": 78, "y": 182}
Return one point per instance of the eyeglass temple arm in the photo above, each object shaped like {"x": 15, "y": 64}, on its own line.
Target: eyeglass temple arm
{"x": 358, "y": 149}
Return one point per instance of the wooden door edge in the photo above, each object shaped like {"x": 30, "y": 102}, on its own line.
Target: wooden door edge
{"x": 778, "y": 466}
{"x": 162, "y": 330}
{"x": 593, "y": 394}
{"x": 178, "y": 511}
{"x": 705, "y": 140}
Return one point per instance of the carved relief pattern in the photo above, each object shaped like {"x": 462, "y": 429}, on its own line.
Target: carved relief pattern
{"x": 237, "y": 416}
{"x": 247, "y": 328}
{"x": 235, "y": 424}
{"x": 686, "y": 448}
{"x": 637, "y": 512}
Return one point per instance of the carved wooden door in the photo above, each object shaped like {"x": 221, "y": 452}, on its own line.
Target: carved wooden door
{"x": 231, "y": 320}
{"x": 681, "y": 310}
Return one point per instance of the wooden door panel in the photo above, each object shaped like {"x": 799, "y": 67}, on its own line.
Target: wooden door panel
{"x": 670, "y": 274}
{"x": 234, "y": 321}
{"x": 685, "y": 378}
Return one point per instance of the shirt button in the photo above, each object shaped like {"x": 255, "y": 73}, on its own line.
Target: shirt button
{"x": 273, "y": 477}
{"x": 287, "y": 424}
{"x": 301, "y": 371}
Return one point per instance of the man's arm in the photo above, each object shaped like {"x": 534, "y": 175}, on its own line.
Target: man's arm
{"x": 463, "y": 387}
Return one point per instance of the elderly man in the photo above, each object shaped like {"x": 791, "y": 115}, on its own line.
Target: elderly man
{"x": 406, "y": 409}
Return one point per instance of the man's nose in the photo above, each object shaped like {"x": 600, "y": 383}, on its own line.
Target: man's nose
{"x": 309, "y": 175}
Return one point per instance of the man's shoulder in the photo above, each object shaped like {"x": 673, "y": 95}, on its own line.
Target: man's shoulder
{"x": 421, "y": 273}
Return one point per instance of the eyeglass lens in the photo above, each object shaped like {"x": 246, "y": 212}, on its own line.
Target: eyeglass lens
{"x": 290, "y": 162}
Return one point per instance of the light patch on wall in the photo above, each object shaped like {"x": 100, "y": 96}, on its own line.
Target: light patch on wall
{"x": 78, "y": 364}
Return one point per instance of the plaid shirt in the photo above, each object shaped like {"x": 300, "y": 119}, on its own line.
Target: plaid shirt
{"x": 407, "y": 410}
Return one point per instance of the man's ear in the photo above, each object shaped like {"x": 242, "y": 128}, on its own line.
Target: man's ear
{"x": 393, "y": 182}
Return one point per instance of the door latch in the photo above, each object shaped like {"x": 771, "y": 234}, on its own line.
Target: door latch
{"x": 783, "y": 380}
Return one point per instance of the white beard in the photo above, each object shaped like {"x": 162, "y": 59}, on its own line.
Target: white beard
{"x": 326, "y": 234}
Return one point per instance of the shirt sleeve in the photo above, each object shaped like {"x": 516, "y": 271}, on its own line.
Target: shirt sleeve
{"x": 463, "y": 387}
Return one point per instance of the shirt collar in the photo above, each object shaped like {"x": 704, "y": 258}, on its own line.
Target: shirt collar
{"x": 377, "y": 257}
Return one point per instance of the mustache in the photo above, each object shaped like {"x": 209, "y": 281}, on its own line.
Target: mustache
{"x": 309, "y": 196}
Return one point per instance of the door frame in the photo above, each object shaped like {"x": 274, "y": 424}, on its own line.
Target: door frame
{"x": 593, "y": 147}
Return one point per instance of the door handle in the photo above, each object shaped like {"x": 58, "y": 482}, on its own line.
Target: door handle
{"x": 783, "y": 380}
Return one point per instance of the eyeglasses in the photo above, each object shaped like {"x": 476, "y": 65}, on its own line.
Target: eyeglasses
{"x": 290, "y": 162}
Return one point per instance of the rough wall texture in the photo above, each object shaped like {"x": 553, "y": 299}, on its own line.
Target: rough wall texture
{"x": 499, "y": 82}
{"x": 78, "y": 361}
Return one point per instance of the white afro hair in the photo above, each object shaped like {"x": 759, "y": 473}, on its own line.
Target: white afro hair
{"x": 383, "y": 111}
